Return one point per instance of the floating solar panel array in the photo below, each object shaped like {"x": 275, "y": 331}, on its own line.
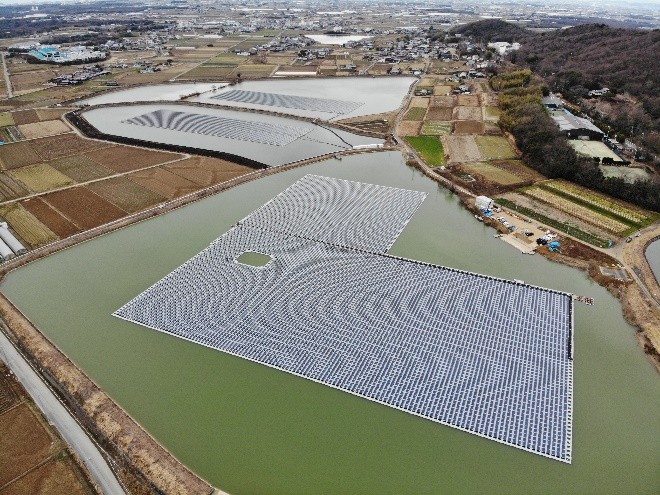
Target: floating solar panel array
{"x": 484, "y": 355}
{"x": 244, "y": 130}
{"x": 290, "y": 101}
{"x": 341, "y": 212}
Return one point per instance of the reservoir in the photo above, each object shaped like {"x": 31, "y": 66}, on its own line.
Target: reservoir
{"x": 247, "y": 428}
{"x": 653, "y": 257}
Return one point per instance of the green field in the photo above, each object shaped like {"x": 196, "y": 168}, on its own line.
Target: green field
{"x": 436, "y": 128}
{"x": 415, "y": 113}
{"x": 6, "y": 119}
{"x": 495, "y": 147}
{"x": 429, "y": 148}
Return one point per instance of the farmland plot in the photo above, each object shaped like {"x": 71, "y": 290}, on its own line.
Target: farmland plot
{"x": 52, "y": 219}
{"x": 519, "y": 169}
{"x": 495, "y": 147}
{"x": 207, "y": 171}
{"x": 125, "y": 194}
{"x": 444, "y": 101}
{"x": 467, "y": 113}
{"x": 64, "y": 145}
{"x": 45, "y": 128}
{"x": 462, "y": 149}
{"x": 31, "y": 230}
{"x": 83, "y": 208}
{"x": 163, "y": 182}
{"x": 576, "y": 210}
{"x": 468, "y": 127}
{"x": 492, "y": 173}
{"x": 6, "y": 119}
{"x": 25, "y": 117}
{"x": 41, "y": 178}
{"x": 468, "y": 100}
{"x": 415, "y": 113}
{"x": 80, "y": 168}
{"x": 128, "y": 158}
{"x": 409, "y": 128}
{"x": 436, "y": 128}
{"x": 420, "y": 102}
{"x": 17, "y": 155}
{"x": 11, "y": 188}
{"x": 439, "y": 113}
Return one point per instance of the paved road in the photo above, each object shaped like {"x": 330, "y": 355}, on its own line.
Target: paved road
{"x": 10, "y": 92}
{"x": 57, "y": 414}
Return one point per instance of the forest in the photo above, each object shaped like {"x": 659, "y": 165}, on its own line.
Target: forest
{"x": 548, "y": 151}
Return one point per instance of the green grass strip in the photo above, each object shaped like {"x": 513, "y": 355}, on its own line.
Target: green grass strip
{"x": 429, "y": 148}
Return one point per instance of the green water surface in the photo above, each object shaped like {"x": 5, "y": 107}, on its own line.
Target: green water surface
{"x": 250, "y": 429}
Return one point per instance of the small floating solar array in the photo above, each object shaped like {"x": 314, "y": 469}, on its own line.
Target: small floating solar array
{"x": 484, "y": 355}
{"x": 290, "y": 101}
{"x": 244, "y": 130}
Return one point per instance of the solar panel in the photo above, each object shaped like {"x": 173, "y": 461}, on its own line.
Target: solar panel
{"x": 290, "y": 101}
{"x": 243, "y": 130}
{"x": 480, "y": 354}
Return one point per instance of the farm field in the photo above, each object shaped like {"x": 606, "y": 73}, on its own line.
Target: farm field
{"x": 519, "y": 169}
{"x": 44, "y": 128}
{"x": 467, "y": 100}
{"x": 207, "y": 171}
{"x": 462, "y": 149}
{"x": 41, "y": 178}
{"x": 17, "y": 155}
{"x": 52, "y": 219}
{"x": 436, "y": 128}
{"x": 467, "y": 113}
{"x": 495, "y": 147}
{"x": 6, "y": 119}
{"x": 577, "y": 210}
{"x": 418, "y": 101}
{"x": 206, "y": 73}
{"x": 163, "y": 182}
{"x": 83, "y": 208}
{"x": 26, "y": 117}
{"x": 429, "y": 148}
{"x": 10, "y": 188}
{"x": 33, "y": 459}
{"x": 80, "y": 168}
{"x": 444, "y": 101}
{"x": 492, "y": 113}
{"x": 468, "y": 127}
{"x": 66, "y": 144}
{"x": 409, "y": 127}
{"x": 492, "y": 173}
{"x": 127, "y": 158}
{"x": 125, "y": 194}
{"x": 439, "y": 113}
{"x": 628, "y": 213}
{"x": 28, "y": 228}
{"x": 415, "y": 113}
{"x": 442, "y": 90}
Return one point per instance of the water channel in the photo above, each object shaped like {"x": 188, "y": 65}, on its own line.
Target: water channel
{"x": 249, "y": 429}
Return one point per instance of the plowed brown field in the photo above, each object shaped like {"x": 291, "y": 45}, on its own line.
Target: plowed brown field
{"x": 468, "y": 127}
{"x": 444, "y": 101}
{"x": 207, "y": 171}
{"x": 128, "y": 158}
{"x": 164, "y": 182}
{"x": 52, "y": 477}
{"x": 64, "y": 145}
{"x": 461, "y": 149}
{"x": 17, "y": 155}
{"x": 50, "y": 218}
{"x": 125, "y": 194}
{"x": 409, "y": 128}
{"x": 439, "y": 113}
{"x": 21, "y": 428}
{"x": 25, "y": 117}
{"x": 468, "y": 100}
{"x": 83, "y": 208}
{"x": 467, "y": 113}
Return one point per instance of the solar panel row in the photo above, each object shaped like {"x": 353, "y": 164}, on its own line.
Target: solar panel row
{"x": 243, "y": 130}
{"x": 290, "y": 101}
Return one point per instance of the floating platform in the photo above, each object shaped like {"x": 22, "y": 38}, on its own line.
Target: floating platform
{"x": 484, "y": 355}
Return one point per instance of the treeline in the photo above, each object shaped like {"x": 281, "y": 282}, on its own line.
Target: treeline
{"x": 545, "y": 149}
{"x": 491, "y": 30}
{"x": 512, "y": 79}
